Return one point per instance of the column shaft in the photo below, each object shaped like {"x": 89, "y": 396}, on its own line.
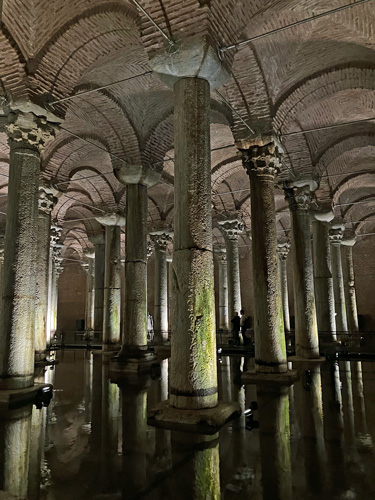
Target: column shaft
{"x": 135, "y": 310}
{"x": 324, "y": 298}
{"x": 350, "y": 295}
{"x": 99, "y": 286}
{"x": 338, "y": 280}
{"x": 233, "y": 276}
{"x": 283, "y": 250}
{"x": 193, "y": 344}
{"x": 307, "y": 341}
{"x": 112, "y": 288}
{"x": 19, "y": 291}
{"x": 161, "y": 296}
{"x": 90, "y": 296}
{"x": 223, "y": 292}
{"x": 270, "y": 349}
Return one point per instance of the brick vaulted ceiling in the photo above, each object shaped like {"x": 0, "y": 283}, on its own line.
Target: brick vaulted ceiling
{"x": 307, "y": 77}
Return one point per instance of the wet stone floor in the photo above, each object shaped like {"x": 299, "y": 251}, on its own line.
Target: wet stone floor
{"x": 314, "y": 440}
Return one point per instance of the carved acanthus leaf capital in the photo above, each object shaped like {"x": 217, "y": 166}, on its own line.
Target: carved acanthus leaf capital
{"x": 335, "y": 235}
{"x": 150, "y": 249}
{"x": 161, "y": 239}
{"x": 262, "y": 160}
{"x": 299, "y": 198}
{"x": 29, "y": 130}
{"x": 55, "y": 234}
{"x": 46, "y": 201}
{"x": 283, "y": 250}
{"x": 231, "y": 229}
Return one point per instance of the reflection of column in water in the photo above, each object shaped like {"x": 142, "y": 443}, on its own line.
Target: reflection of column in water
{"x": 162, "y": 436}
{"x": 134, "y": 438}
{"x": 274, "y": 436}
{"x": 110, "y": 413}
{"x": 96, "y": 404}
{"x": 309, "y": 413}
{"x": 196, "y": 460}
{"x": 87, "y": 373}
{"x": 347, "y": 397}
{"x": 225, "y": 383}
{"x": 333, "y": 424}
{"x": 364, "y": 440}
{"x": 38, "y": 420}
{"x": 14, "y": 451}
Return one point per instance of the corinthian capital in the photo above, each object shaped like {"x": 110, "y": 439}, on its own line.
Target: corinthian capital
{"x": 300, "y": 193}
{"x": 283, "y": 250}
{"x": 231, "y": 229}
{"x": 261, "y": 159}
{"x": 28, "y": 130}
{"x": 46, "y": 201}
{"x": 161, "y": 239}
{"x": 336, "y": 234}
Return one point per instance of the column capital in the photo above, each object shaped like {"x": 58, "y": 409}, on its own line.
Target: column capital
{"x": 46, "y": 200}
{"x": 336, "y": 234}
{"x": 150, "y": 249}
{"x": 29, "y": 131}
{"x": 349, "y": 242}
{"x": 55, "y": 234}
{"x": 283, "y": 250}
{"x": 97, "y": 239}
{"x": 231, "y": 229}
{"x": 137, "y": 174}
{"x": 299, "y": 197}
{"x": 221, "y": 253}
{"x": 85, "y": 266}
{"x": 111, "y": 219}
{"x": 262, "y": 159}
{"x": 89, "y": 253}
{"x": 161, "y": 239}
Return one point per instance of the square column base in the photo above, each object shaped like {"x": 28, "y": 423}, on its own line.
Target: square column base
{"x": 15, "y": 398}
{"x": 204, "y": 421}
{"x": 275, "y": 379}
{"x": 129, "y": 369}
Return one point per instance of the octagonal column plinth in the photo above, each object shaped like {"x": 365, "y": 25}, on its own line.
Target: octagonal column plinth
{"x": 223, "y": 288}
{"x": 335, "y": 236}
{"x": 161, "y": 240}
{"x": 262, "y": 164}
{"x": 323, "y": 281}
{"x": 283, "y": 251}
{"x": 231, "y": 229}
{"x": 112, "y": 281}
{"x": 349, "y": 283}
{"x": 307, "y": 341}
{"x": 27, "y": 136}
{"x": 46, "y": 202}
{"x": 134, "y": 340}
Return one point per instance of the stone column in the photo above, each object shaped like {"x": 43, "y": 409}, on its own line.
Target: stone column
{"x": 170, "y": 292}
{"x": 283, "y": 250}
{"x": 27, "y": 136}
{"x": 99, "y": 245}
{"x": 323, "y": 282}
{"x": 262, "y": 163}
{"x": 55, "y": 234}
{"x": 90, "y": 290}
{"x": 47, "y": 201}
{"x": 161, "y": 239}
{"x": 231, "y": 229}
{"x": 335, "y": 236}
{"x": 349, "y": 284}
{"x": 1, "y": 269}
{"x": 223, "y": 288}
{"x": 58, "y": 270}
{"x": 112, "y": 281}
{"x": 299, "y": 196}
{"x": 138, "y": 179}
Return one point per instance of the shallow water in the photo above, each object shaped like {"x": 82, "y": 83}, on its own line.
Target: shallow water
{"x": 315, "y": 440}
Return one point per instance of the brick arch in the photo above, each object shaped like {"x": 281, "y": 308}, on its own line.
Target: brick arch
{"x": 353, "y": 182}
{"x": 319, "y": 86}
{"x": 100, "y": 189}
{"x": 99, "y": 31}
{"x": 74, "y": 197}
{"x": 13, "y": 80}
{"x": 91, "y": 225}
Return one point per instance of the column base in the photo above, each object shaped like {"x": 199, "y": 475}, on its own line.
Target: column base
{"x": 300, "y": 359}
{"x": 203, "y": 421}
{"x": 163, "y": 351}
{"x": 270, "y": 378}
{"x": 39, "y": 394}
{"x": 131, "y": 363}
{"x": 113, "y": 347}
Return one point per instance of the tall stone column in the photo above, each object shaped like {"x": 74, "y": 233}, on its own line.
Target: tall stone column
{"x": 112, "y": 281}
{"x": 223, "y": 288}
{"x": 138, "y": 179}
{"x": 299, "y": 196}
{"x": 161, "y": 240}
{"x": 170, "y": 292}
{"x": 47, "y": 201}
{"x": 90, "y": 290}
{"x": 27, "y": 136}
{"x": 283, "y": 251}
{"x": 262, "y": 163}
{"x": 324, "y": 297}
{"x": 58, "y": 270}
{"x": 335, "y": 235}
{"x": 55, "y": 234}
{"x": 1, "y": 269}
{"x": 231, "y": 229}
{"x": 99, "y": 245}
{"x": 349, "y": 283}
